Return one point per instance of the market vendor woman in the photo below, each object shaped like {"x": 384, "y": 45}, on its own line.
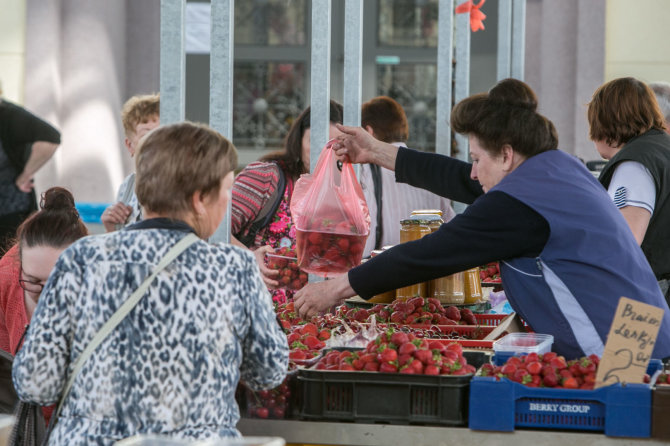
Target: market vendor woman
{"x": 567, "y": 254}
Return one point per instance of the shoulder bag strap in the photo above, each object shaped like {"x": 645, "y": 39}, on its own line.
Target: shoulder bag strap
{"x": 121, "y": 313}
{"x": 377, "y": 184}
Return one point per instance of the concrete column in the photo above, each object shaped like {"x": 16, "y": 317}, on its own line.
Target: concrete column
{"x": 43, "y": 92}
{"x": 565, "y": 60}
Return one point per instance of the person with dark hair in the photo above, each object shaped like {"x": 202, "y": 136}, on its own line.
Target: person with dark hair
{"x": 562, "y": 243}
{"x": 390, "y": 201}
{"x": 26, "y": 144}
{"x": 25, "y": 268}
{"x": 202, "y": 317}
{"x": 626, "y": 126}
{"x": 264, "y": 189}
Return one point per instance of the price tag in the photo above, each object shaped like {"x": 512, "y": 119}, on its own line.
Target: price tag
{"x": 630, "y": 343}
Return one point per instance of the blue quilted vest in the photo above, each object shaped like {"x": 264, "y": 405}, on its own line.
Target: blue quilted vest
{"x": 591, "y": 259}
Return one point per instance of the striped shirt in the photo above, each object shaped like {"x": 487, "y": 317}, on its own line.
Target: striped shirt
{"x": 252, "y": 189}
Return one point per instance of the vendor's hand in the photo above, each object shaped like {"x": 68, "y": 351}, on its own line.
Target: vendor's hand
{"x": 355, "y": 145}
{"x": 320, "y": 296}
{"x": 116, "y": 214}
{"x": 267, "y": 273}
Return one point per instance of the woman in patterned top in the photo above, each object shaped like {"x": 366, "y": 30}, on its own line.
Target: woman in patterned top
{"x": 256, "y": 186}
{"x": 172, "y": 365}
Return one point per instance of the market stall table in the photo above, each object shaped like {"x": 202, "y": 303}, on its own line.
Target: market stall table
{"x": 358, "y": 434}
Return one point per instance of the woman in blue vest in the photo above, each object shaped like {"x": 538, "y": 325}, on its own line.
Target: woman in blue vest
{"x": 567, "y": 252}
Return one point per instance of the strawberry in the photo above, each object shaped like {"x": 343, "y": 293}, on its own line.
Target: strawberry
{"x": 431, "y": 370}
{"x": 314, "y": 238}
{"x": 405, "y": 359}
{"x": 453, "y": 313}
{"x": 399, "y": 338}
{"x": 407, "y": 370}
{"x": 558, "y": 363}
{"x": 313, "y": 343}
{"x": 547, "y": 357}
{"x": 309, "y": 329}
{"x": 531, "y": 357}
{"x": 550, "y": 380}
{"x": 343, "y": 244}
{"x": 388, "y": 355}
{"x": 372, "y": 366}
{"x": 455, "y": 347}
{"x": 324, "y": 335}
{"x": 297, "y": 355}
{"x": 570, "y": 383}
{"x": 534, "y": 368}
{"x": 388, "y": 367}
{"x": 407, "y": 349}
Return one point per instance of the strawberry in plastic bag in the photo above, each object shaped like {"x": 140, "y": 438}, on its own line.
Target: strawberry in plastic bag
{"x": 331, "y": 217}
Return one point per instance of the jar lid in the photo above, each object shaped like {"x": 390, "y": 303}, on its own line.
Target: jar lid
{"x": 414, "y": 221}
{"x": 427, "y": 211}
{"x": 431, "y": 218}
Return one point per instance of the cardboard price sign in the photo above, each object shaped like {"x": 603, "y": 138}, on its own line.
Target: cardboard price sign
{"x": 630, "y": 343}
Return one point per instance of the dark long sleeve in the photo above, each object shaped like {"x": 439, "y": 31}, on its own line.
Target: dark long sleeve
{"x": 439, "y": 174}
{"x": 495, "y": 227}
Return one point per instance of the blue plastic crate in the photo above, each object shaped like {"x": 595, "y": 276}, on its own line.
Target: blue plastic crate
{"x": 619, "y": 411}
{"x": 91, "y": 212}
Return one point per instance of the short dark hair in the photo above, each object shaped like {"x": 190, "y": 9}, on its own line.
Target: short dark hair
{"x": 56, "y": 224}
{"x": 291, "y": 155}
{"x": 175, "y": 161}
{"x": 506, "y": 115}
{"x": 622, "y": 109}
{"x": 387, "y": 119}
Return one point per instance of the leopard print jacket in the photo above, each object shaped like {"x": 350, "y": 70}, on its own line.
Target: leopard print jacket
{"x": 172, "y": 365}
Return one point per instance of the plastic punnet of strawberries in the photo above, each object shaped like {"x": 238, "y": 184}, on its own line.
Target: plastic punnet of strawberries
{"x": 272, "y": 403}
{"x": 547, "y": 370}
{"x": 490, "y": 273}
{"x": 285, "y": 261}
{"x": 399, "y": 352}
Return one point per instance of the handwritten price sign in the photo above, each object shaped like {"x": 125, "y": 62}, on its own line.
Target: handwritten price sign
{"x": 630, "y": 343}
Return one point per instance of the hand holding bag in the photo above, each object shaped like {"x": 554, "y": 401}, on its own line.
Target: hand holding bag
{"x": 331, "y": 217}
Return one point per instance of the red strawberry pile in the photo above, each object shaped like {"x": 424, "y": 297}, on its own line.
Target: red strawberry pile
{"x": 398, "y": 352}
{"x": 664, "y": 378}
{"x": 269, "y": 403}
{"x": 548, "y": 370}
{"x": 305, "y": 343}
{"x": 290, "y": 277}
{"x": 417, "y": 310}
{"x": 490, "y": 273}
{"x": 329, "y": 247}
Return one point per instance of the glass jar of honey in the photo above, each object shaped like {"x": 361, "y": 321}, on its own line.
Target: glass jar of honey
{"x": 434, "y": 220}
{"x": 410, "y": 230}
{"x": 383, "y": 298}
{"x": 449, "y": 289}
{"x": 472, "y": 286}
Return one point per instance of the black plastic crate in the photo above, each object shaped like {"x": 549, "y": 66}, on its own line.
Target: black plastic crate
{"x": 390, "y": 398}
{"x": 660, "y": 410}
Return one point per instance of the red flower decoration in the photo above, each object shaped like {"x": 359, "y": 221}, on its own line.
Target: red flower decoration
{"x": 476, "y": 16}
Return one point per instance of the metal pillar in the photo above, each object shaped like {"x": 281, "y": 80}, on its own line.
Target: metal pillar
{"x": 353, "y": 64}
{"x": 445, "y": 45}
{"x": 173, "y": 61}
{"x": 320, "y": 79}
{"x": 462, "y": 83}
{"x": 504, "y": 54}
{"x": 518, "y": 38}
{"x": 221, "y": 85}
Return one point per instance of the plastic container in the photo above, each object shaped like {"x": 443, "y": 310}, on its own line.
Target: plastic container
{"x": 520, "y": 344}
{"x": 411, "y": 230}
{"x": 390, "y": 398}
{"x": 156, "y": 440}
{"x": 619, "y": 411}
{"x": 291, "y": 277}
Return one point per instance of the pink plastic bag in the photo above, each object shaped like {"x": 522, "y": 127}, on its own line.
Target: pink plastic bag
{"x": 331, "y": 217}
